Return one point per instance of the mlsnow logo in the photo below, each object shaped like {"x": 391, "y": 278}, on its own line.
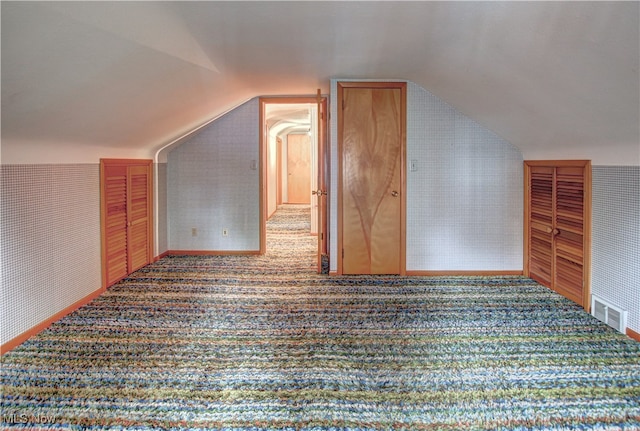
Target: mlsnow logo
{"x": 24, "y": 418}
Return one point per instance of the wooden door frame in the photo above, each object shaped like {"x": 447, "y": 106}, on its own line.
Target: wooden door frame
{"x": 263, "y": 142}
{"x": 403, "y": 162}
{"x": 103, "y": 205}
{"x": 586, "y": 266}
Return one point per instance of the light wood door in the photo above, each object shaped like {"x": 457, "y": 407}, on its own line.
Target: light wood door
{"x": 126, "y": 191}
{"x": 371, "y": 145}
{"x": 298, "y": 169}
{"x": 558, "y": 204}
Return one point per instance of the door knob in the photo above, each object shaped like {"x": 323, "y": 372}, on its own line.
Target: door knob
{"x": 394, "y": 194}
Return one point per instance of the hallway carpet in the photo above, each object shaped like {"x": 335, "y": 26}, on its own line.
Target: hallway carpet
{"x": 265, "y": 343}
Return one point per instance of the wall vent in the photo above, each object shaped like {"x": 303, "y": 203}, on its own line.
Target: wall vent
{"x": 609, "y": 314}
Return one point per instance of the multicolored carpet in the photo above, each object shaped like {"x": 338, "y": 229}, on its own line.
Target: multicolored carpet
{"x": 264, "y": 343}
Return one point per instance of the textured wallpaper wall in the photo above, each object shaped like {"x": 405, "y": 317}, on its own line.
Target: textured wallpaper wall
{"x": 50, "y": 241}
{"x": 465, "y": 198}
{"x": 213, "y": 185}
{"x": 615, "y": 256}
{"x": 162, "y": 240}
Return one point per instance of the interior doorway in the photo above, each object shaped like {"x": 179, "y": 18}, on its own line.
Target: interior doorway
{"x": 293, "y": 161}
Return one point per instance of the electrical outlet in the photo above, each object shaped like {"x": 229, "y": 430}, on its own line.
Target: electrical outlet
{"x": 225, "y": 232}
{"x": 194, "y": 231}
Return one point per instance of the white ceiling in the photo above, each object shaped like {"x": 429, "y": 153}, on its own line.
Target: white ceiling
{"x": 123, "y": 79}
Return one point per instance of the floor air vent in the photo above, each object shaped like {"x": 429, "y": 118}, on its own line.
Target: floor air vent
{"x": 609, "y": 314}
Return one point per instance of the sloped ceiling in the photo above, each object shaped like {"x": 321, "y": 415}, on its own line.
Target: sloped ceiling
{"x": 82, "y": 80}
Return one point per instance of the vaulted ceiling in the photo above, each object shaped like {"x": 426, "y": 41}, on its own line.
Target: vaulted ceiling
{"x": 82, "y": 80}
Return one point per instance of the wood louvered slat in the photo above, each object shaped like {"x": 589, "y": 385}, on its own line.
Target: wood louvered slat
{"x": 570, "y": 246}
{"x": 568, "y": 280}
{"x": 138, "y": 246}
{"x": 570, "y": 200}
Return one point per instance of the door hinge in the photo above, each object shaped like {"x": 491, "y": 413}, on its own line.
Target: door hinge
{"x": 322, "y": 235}
{"x": 343, "y": 253}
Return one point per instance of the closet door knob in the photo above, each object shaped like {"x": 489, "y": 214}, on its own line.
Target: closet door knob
{"x": 394, "y": 194}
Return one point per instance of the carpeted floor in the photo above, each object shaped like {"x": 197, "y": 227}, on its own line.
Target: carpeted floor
{"x": 264, "y": 343}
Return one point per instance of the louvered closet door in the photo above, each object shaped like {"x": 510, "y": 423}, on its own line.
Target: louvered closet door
{"x": 558, "y": 226}
{"x": 115, "y": 222}
{"x": 541, "y": 225}
{"x": 139, "y": 218}
{"x": 569, "y": 233}
{"x": 126, "y": 217}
